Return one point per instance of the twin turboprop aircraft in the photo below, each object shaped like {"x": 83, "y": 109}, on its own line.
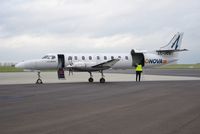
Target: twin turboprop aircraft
{"x": 91, "y": 62}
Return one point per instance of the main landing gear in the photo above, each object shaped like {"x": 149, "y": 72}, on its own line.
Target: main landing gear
{"x": 90, "y": 79}
{"x": 39, "y": 80}
{"x": 102, "y": 80}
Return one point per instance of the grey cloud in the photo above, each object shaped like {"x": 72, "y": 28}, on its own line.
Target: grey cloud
{"x": 153, "y": 22}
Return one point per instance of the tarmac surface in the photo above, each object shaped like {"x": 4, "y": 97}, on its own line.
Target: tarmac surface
{"x": 150, "y": 107}
{"x": 160, "y": 104}
{"x": 166, "y": 72}
{"x": 110, "y": 76}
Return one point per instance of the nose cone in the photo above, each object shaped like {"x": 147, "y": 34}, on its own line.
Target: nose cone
{"x": 25, "y": 65}
{"x": 29, "y": 65}
{"x": 20, "y": 65}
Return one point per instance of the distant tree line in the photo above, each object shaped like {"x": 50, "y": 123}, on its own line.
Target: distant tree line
{"x": 7, "y": 64}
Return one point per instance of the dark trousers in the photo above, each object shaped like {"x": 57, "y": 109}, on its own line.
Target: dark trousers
{"x": 138, "y": 74}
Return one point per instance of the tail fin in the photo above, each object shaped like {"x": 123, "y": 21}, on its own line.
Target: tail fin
{"x": 174, "y": 45}
{"x": 175, "y": 42}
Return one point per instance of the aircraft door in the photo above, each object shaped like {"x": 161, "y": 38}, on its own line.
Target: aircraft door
{"x": 137, "y": 58}
{"x": 61, "y": 66}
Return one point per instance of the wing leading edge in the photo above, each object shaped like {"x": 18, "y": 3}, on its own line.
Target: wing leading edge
{"x": 106, "y": 65}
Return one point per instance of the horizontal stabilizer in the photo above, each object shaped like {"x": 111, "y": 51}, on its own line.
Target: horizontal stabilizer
{"x": 169, "y": 52}
{"x": 177, "y": 50}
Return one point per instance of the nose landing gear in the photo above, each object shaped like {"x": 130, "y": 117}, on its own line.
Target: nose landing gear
{"x": 39, "y": 80}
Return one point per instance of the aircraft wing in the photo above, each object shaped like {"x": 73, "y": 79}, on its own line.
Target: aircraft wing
{"x": 82, "y": 66}
{"x": 106, "y": 65}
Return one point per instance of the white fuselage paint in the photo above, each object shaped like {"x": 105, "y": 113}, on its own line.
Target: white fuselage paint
{"x": 125, "y": 62}
{"x": 89, "y": 62}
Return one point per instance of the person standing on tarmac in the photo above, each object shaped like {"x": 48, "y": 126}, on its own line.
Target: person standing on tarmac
{"x": 138, "y": 70}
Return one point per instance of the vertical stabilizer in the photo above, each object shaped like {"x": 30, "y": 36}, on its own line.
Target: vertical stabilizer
{"x": 175, "y": 43}
{"x": 169, "y": 51}
{"x": 173, "y": 46}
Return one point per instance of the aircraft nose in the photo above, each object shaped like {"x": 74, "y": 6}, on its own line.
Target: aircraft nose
{"x": 20, "y": 65}
{"x": 29, "y": 64}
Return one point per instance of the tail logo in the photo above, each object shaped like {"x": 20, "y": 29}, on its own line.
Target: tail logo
{"x": 176, "y": 42}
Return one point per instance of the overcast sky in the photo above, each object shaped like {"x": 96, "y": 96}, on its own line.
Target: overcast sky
{"x": 31, "y": 28}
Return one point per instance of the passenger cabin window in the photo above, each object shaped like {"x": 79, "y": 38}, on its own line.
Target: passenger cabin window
{"x": 112, "y": 57}
{"x": 90, "y": 57}
{"x": 83, "y": 57}
{"x": 75, "y": 58}
{"x": 98, "y": 57}
{"x": 70, "y": 58}
{"x": 126, "y": 57}
{"x": 105, "y": 57}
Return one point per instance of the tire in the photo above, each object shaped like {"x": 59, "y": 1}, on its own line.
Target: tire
{"x": 91, "y": 80}
{"x": 102, "y": 80}
{"x": 39, "y": 81}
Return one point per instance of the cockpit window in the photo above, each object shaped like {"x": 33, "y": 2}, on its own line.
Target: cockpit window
{"x": 53, "y": 57}
{"x": 45, "y": 57}
{"x": 49, "y": 57}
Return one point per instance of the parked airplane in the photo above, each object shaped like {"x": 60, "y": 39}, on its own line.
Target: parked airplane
{"x": 91, "y": 62}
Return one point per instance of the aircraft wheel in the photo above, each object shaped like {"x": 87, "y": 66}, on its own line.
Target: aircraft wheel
{"x": 90, "y": 79}
{"x": 39, "y": 81}
{"x": 102, "y": 80}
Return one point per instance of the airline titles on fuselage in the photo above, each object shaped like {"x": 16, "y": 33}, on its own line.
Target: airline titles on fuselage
{"x": 155, "y": 61}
